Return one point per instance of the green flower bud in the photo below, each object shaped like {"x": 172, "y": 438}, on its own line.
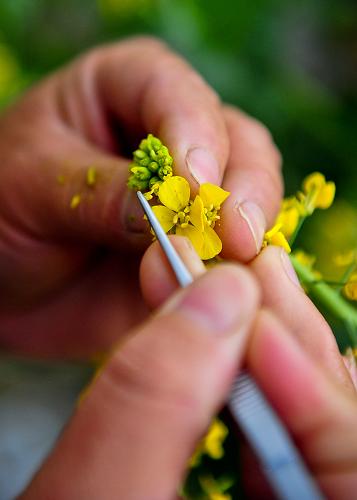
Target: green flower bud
{"x": 151, "y": 164}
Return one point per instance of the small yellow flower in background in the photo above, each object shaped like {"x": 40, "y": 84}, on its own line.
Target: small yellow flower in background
{"x": 276, "y": 237}
{"x": 350, "y": 288}
{"x": 317, "y": 193}
{"x": 345, "y": 259}
{"x": 304, "y": 258}
{"x": 212, "y": 443}
{"x": 308, "y": 261}
{"x": 193, "y": 219}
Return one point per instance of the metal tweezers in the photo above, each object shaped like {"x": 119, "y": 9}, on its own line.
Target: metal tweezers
{"x": 279, "y": 459}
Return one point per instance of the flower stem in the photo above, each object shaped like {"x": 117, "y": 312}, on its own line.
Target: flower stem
{"x": 327, "y": 296}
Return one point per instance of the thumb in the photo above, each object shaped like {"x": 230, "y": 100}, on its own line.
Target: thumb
{"x": 134, "y": 432}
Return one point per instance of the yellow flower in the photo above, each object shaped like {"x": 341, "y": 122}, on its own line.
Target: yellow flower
{"x": 308, "y": 261}
{"x": 350, "y": 288}
{"x": 317, "y": 192}
{"x": 212, "y": 443}
{"x": 289, "y": 216}
{"x": 276, "y": 237}
{"x": 305, "y": 259}
{"x": 193, "y": 219}
{"x": 345, "y": 259}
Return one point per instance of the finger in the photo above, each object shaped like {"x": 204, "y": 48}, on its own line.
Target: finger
{"x": 283, "y": 294}
{"x": 319, "y": 413}
{"x": 253, "y": 178}
{"x": 151, "y": 89}
{"x": 157, "y": 278}
{"x": 134, "y": 432}
{"x": 50, "y": 194}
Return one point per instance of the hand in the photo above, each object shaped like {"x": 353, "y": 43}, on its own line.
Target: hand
{"x": 296, "y": 362}
{"x": 67, "y": 273}
{"x": 132, "y": 435}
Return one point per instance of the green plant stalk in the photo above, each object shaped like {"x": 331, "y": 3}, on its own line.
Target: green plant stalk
{"x": 326, "y": 295}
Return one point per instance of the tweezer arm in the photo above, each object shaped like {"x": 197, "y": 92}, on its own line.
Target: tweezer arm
{"x": 182, "y": 274}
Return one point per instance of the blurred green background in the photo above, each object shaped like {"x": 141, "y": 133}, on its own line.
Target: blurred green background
{"x": 291, "y": 64}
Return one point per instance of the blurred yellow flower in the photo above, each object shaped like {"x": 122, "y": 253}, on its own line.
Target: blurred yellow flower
{"x": 289, "y": 216}
{"x": 350, "y": 288}
{"x": 276, "y": 237}
{"x": 193, "y": 219}
{"x": 345, "y": 259}
{"x": 308, "y": 261}
{"x": 317, "y": 193}
{"x": 212, "y": 443}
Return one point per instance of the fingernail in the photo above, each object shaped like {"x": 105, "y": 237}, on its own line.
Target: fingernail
{"x": 202, "y": 166}
{"x": 288, "y": 268}
{"x": 254, "y": 217}
{"x": 218, "y": 302}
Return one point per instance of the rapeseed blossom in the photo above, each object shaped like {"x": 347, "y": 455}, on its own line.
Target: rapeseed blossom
{"x": 317, "y": 193}
{"x": 212, "y": 443}
{"x": 194, "y": 219}
{"x": 276, "y": 237}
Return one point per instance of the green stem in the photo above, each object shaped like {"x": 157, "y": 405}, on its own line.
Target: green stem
{"x": 351, "y": 268}
{"x": 326, "y": 296}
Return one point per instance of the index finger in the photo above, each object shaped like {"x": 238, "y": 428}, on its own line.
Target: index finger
{"x": 253, "y": 178}
{"x": 151, "y": 89}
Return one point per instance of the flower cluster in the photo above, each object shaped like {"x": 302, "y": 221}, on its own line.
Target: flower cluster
{"x": 316, "y": 193}
{"x": 152, "y": 163}
{"x": 151, "y": 172}
{"x": 194, "y": 219}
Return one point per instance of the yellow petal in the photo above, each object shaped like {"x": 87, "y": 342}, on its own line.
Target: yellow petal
{"x": 350, "y": 289}
{"x": 194, "y": 235}
{"x": 212, "y": 195}
{"x": 326, "y": 195}
{"x": 212, "y": 245}
{"x": 279, "y": 240}
{"x": 275, "y": 229}
{"x": 213, "y": 441}
{"x": 313, "y": 181}
{"x": 289, "y": 219}
{"x": 197, "y": 214}
{"x": 165, "y": 216}
{"x": 174, "y": 193}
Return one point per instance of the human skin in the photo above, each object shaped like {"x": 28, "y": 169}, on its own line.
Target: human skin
{"x": 65, "y": 273}
{"x": 132, "y": 435}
